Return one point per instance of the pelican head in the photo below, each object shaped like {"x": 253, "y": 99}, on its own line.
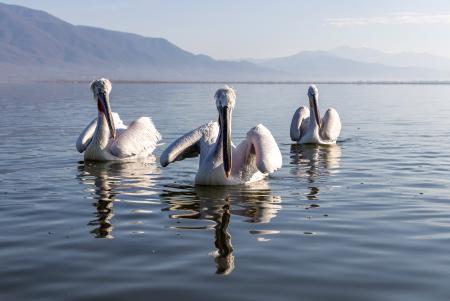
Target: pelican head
{"x": 101, "y": 88}
{"x": 225, "y": 101}
{"x": 313, "y": 95}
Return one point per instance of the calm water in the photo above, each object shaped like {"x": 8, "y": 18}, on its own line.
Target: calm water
{"x": 368, "y": 219}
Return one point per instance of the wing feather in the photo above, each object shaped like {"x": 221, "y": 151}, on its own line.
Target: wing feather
{"x": 140, "y": 137}
{"x": 265, "y": 148}
{"x": 298, "y": 123}
{"x": 331, "y": 125}
{"x": 187, "y": 146}
{"x": 86, "y": 136}
{"x": 118, "y": 123}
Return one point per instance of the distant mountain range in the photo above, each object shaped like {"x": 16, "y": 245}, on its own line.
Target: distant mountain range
{"x": 403, "y": 59}
{"x": 37, "y": 46}
{"x": 346, "y": 63}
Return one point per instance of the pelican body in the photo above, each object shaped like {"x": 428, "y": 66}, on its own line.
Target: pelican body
{"x": 308, "y": 127}
{"x": 106, "y": 138}
{"x": 221, "y": 163}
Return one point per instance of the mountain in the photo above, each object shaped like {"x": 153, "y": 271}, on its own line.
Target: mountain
{"x": 329, "y": 65}
{"x": 36, "y": 45}
{"x": 401, "y": 59}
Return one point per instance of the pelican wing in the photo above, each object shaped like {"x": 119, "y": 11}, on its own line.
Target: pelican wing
{"x": 298, "y": 123}
{"x": 120, "y": 126}
{"x": 86, "y": 136}
{"x": 265, "y": 149}
{"x": 331, "y": 125}
{"x": 186, "y": 146}
{"x": 141, "y": 136}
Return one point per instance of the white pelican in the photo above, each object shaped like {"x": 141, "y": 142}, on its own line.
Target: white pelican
{"x": 308, "y": 127}
{"x": 106, "y": 138}
{"x": 221, "y": 163}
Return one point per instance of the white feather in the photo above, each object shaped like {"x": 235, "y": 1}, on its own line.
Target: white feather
{"x": 261, "y": 144}
{"x": 331, "y": 125}
{"x": 86, "y": 136}
{"x": 139, "y": 139}
{"x": 298, "y": 124}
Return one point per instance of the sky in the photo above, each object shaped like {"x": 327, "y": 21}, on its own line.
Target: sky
{"x": 235, "y": 29}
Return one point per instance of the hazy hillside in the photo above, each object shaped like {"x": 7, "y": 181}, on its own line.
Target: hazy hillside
{"x": 403, "y": 59}
{"x": 325, "y": 65}
{"x": 34, "y": 44}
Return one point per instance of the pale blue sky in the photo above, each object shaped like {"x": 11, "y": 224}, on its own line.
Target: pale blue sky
{"x": 268, "y": 28}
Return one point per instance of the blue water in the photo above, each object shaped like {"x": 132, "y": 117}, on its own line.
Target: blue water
{"x": 368, "y": 219}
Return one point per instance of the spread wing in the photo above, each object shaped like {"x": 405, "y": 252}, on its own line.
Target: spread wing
{"x": 120, "y": 126}
{"x": 86, "y": 136}
{"x": 186, "y": 146}
{"x": 331, "y": 125}
{"x": 298, "y": 123}
{"x": 140, "y": 136}
{"x": 260, "y": 144}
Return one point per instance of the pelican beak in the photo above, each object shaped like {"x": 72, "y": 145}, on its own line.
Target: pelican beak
{"x": 225, "y": 127}
{"x": 316, "y": 110}
{"x": 103, "y": 106}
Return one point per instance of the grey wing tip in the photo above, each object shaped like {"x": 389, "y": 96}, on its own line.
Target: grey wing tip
{"x": 163, "y": 160}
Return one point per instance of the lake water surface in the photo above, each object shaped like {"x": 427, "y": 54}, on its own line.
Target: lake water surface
{"x": 368, "y": 219}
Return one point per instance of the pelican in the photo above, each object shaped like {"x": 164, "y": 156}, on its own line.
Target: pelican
{"x": 106, "y": 138}
{"x": 221, "y": 163}
{"x": 308, "y": 127}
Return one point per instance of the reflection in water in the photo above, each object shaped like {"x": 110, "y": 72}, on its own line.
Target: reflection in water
{"x": 313, "y": 161}
{"x": 218, "y": 204}
{"x": 224, "y": 258}
{"x": 106, "y": 181}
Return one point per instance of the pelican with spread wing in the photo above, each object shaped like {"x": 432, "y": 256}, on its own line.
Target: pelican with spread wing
{"x": 221, "y": 163}
{"x": 106, "y": 138}
{"x": 308, "y": 126}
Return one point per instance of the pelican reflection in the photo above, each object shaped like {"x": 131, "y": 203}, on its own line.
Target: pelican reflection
{"x": 219, "y": 204}
{"x": 108, "y": 182}
{"x": 312, "y": 162}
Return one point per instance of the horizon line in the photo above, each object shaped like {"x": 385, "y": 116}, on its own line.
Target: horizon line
{"x": 302, "y": 82}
